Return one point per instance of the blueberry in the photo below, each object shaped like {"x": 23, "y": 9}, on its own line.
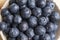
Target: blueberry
{"x": 12, "y": 1}
{"x": 14, "y": 8}
{"x": 26, "y": 13}
{"x": 47, "y": 37}
{"x": 40, "y": 30}
{"x": 32, "y": 21}
{"x": 41, "y": 3}
{"x": 50, "y": 4}
{"x": 51, "y": 27}
{"x": 37, "y": 12}
{"x": 23, "y": 26}
{"x": 36, "y": 37}
{"x": 4, "y": 26}
{"x": 31, "y": 3}
{"x": 43, "y": 20}
{"x": 30, "y": 39}
{"x": 55, "y": 27}
{"x": 55, "y": 16}
{"x": 49, "y": 0}
{"x": 17, "y": 19}
{"x": 11, "y": 38}
{"x": 52, "y": 35}
{"x": 22, "y": 36}
{"x": 5, "y": 12}
{"x": 30, "y": 33}
{"x": 8, "y": 19}
{"x": 22, "y": 7}
{"x": 14, "y": 32}
{"x": 47, "y": 11}
{"x": 21, "y": 2}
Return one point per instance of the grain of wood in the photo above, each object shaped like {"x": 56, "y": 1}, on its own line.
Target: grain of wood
{"x": 3, "y": 37}
{"x": 4, "y": 6}
{"x": 0, "y": 37}
{"x": 57, "y": 3}
{"x": 2, "y": 2}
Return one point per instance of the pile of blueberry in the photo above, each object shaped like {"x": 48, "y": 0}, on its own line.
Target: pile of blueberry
{"x": 30, "y": 20}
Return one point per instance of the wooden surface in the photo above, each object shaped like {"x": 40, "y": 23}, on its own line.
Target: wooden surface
{"x": 2, "y": 2}
{"x": 0, "y": 37}
{"x": 57, "y": 8}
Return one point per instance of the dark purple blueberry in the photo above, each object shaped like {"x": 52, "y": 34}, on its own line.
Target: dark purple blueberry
{"x": 8, "y": 19}
{"x": 11, "y": 38}
{"x": 3, "y": 26}
{"x": 36, "y": 37}
{"x": 52, "y": 35}
{"x": 47, "y": 37}
{"x": 32, "y": 21}
{"x": 40, "y": 30}
{"x": 30, "y": 33}
{"x": 26, "y": 13}
{"x": 21, "y": 2}
{"x": 49, "y": 0}
{"x": 30, "y": 39}
{"x": 23, "y": 26}
{"x": 22, "y": 36}
{"x": 14, "y": 8}
{"x": 43, "y": 20}
{"x": 17, "y": 19}
{"x": 31, "y": 3}
{"x": 55, "y": 27}
{"x": 55, "y": 16}
{"x": 47, "y": 11}
{"x": 5, "y": 12}
{"x": 22, "y": 7}
{"x": 12, "y": 1}
{"x": 37, "y": 12}
{"x": 14, "y": 32}
{"x": 41, "y": 3}
{"x": 50, "y": 4}
{"x": 51, "y": 27}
